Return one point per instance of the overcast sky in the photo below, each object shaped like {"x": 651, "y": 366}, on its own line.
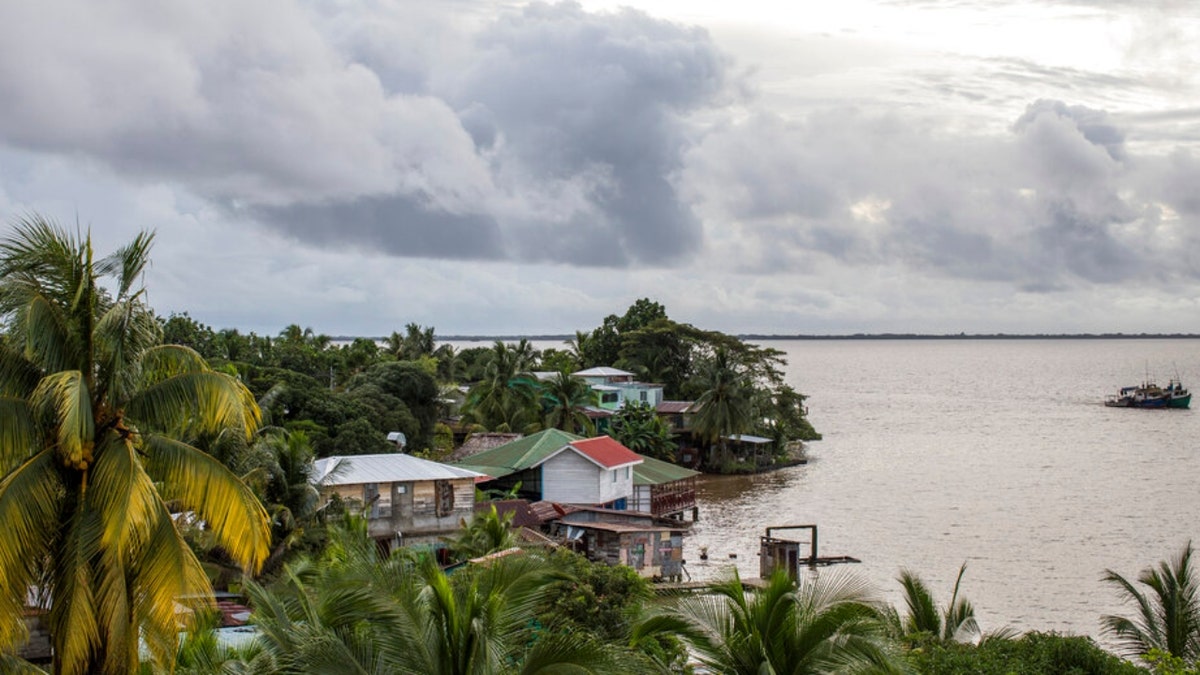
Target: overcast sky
{"x": 832, "y": 167}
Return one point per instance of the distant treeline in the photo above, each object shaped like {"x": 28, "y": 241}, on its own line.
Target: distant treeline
{"x": 855, "y": 336}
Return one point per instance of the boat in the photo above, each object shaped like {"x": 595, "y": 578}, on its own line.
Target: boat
{"x": 1150, "y": 395}
{"x": 1177, "y": 395}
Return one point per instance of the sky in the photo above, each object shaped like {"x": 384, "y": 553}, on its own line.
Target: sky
{"x": 861, "y": 166}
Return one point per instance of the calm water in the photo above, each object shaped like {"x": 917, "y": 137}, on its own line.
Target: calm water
{"x": 996, "y": 453}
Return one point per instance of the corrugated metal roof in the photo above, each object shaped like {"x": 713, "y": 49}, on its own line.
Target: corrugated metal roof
{"x": 603, "y": 371}
{"x": 387, "y": 468}
{"x": 656, "y": 472}
{"x": 747, "y": 438}
{"x": 673, "y": 407}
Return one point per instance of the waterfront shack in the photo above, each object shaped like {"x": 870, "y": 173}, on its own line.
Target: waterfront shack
{"x": 663, "y": 489}
{"x": 653, "y": 549}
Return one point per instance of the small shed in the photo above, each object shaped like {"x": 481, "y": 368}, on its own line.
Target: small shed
{"x": 653, "y": 549}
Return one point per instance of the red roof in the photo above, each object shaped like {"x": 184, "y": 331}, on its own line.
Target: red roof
{"x": 606, "y": 452}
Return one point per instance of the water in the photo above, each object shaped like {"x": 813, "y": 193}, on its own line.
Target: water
{"x": 996, "y": 453}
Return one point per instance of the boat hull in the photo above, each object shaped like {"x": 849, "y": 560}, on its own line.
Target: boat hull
{"x": 1179, "y": 401}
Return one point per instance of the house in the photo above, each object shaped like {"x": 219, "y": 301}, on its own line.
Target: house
{"x": 615, "y": 387}
{"x": 638, "y": 540}
{"x": 407, "y": 500}
{"x": 663, "y": 489}
{"x": 556, "y": 466}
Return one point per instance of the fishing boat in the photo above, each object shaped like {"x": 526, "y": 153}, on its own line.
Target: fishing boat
{"x": 1150, "y": 395}
{"x": 1177, "y": 395}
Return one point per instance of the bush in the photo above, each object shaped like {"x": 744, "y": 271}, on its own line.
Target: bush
{"x": 1031, "y": 654}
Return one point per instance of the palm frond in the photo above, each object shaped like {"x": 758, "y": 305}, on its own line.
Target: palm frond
{"x": 18, "y": 376}
{"x": 30, "y": 497}
{"x": 122, "y": 335}
{"x": 195, "y": 403}
{"x": 233, "y": 513}
{"x": 64, "y": 398}
{"x": 20, "y": 435}
{"x": 47, "y": 341}
{"x": 73, "y": 621}
{"x": 168, "y": 575}
{"x": 923, "y": 615}
{"x": 127, "y": 262}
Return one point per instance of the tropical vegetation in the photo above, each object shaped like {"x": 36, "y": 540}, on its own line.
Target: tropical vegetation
{"x": 1167, "y": 602}
{"x": 98, "y": 447}
{"x": 145, "y": 459}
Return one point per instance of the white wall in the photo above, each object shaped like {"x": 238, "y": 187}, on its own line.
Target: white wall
{"x": 569, "y": 477}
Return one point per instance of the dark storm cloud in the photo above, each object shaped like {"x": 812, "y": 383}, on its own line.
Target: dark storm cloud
{"x": 599, "y": 100}
{"x": 546, "y": 134}
{"x": 396, "y": 226}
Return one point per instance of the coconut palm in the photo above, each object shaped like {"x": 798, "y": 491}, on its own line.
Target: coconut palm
{"x": 956, "y": 622}
{"x": 564, "y": 402}
{"x": 1168, "y": 615}
{"x": 827, "y": 624}
{"x": 726, "y": 406}
{"x": 506, "y": 397}
{"x": 94, "y": 417}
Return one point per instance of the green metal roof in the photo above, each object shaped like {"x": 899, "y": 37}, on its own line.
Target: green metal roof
{"x": 656, "y": 472}
{"x": 520, "y": 454}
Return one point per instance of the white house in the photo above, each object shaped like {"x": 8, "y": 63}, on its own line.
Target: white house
{"x": 590, "y": 471}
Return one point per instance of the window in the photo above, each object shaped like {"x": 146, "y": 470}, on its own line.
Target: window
{"x": 614, "y": 475}
{"x": 444, "y": 493}
{"x": 609, "y": 397}
{"x": 627, "y": 470}
{"x": 643, "y": 396}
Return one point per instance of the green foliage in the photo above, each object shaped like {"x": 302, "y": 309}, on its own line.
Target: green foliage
{"x": 1162, "y": 663}
{"x": 487, "y": 532}
{"x": 923, "y": 621}
{"x": 638, "y": 427}
{"x": 827, "y": 624}
{"x": 1168, "y": 610}
{"x": 96, "y": 433}
{"x": 351, "y": 611}
{"x": 564, "y": 400}
{"x": 1031, "y": 654}
{"x": 609, "y": 601}
{"x": 506, "y": 398}
{"x": 415, "y": 390}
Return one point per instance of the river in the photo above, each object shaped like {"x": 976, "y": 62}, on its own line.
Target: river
{"x": 997, "y": 453}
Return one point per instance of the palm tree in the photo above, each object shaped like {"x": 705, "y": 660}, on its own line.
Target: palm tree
{"x": 505, "y": 398}
{"x": 93, "y": 418}
{"x": 1168, "y": 617}
{"x": 826, "y": 625}
{"x": 954, "y": 623}
{"x": 357, "y": 613}
{"x": 726, "y": 406}
{"x": 290, "y": 493}
{"x": 564, "y": 401}
{"x": 487, "y": 532}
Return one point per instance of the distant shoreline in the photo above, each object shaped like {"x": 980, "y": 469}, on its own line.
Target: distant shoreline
{"x": 855, "y": 336}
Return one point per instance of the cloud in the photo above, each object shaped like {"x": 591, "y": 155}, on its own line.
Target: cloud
{"x": 1057, "y": 202}
{"x": 545, "y": 134}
